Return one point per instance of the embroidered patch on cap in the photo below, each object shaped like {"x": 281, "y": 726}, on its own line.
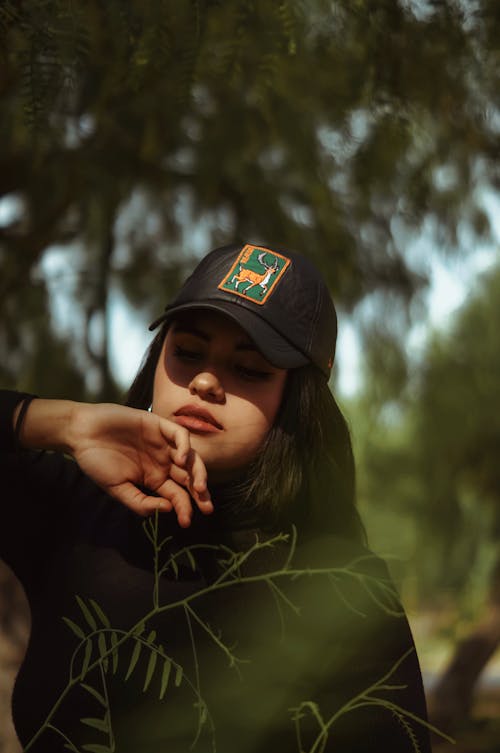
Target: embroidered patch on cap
{"x": 255, "y": 273}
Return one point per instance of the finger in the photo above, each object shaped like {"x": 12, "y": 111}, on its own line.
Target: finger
{"x": 178, "y": 439}
{"x": 200, "y": 491}
{"x": 136, "y": 500}
{"x": 198, "y": 473}
{"x": 202, "y": 499}
{"x": 180, "y": 500}
{"x": 194, "y": 478}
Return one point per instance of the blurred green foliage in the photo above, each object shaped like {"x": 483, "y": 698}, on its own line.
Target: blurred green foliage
{"x": 428, "y": 449}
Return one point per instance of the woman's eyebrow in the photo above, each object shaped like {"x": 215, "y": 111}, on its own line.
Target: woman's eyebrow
{"x": 189, "y": 329}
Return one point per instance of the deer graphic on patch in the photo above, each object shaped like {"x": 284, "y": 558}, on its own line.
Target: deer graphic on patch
{"x": 255, "y": 273}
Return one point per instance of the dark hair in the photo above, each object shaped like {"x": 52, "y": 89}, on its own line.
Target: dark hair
{"x": 305, "y": 470}
{"x": 140, "y": 394}
{"x": 304, "y": 473}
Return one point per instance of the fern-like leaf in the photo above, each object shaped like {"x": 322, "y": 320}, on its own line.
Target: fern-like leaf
{"x": 86, "y": 658}
{"x": 74, "y": 627}
{"x": 101, "y": 645}
{"x": 191, "y": 559}
{"x": 409, "y": 731}
{"x": 89, "y": 617}
{"x": 100, "y": 614}
{"x": 100, "y": 724}
{"x": 95, "y": 693}
{"x": 150, "y": 670}
{"x": 135, "y": 658}
{"x": 178, "y": 676}
{"x": 165, "y": 674}
{"x": 114, "y": 654}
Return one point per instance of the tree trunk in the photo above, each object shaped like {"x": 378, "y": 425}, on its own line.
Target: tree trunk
{"x": 451, "y": 699}
{"x": 98, "y": 305}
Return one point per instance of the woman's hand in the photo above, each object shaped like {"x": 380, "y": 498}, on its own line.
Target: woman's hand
{"x": 144, "y": 461}
{"x": 129, "y": 452}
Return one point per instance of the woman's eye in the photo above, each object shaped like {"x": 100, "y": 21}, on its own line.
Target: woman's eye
{"x": 187, "y": 355}
{"x": 253, "y": 374}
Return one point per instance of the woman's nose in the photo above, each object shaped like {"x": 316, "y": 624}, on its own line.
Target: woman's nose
{"x": 207, "y": 386}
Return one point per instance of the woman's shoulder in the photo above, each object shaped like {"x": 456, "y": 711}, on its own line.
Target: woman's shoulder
{"x": 318, "y": 552}
{"x": 325, "y": 614}
{"x": 331, "y": 580}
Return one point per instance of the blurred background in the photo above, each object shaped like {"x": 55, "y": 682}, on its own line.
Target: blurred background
{"x": 135, "y": 135}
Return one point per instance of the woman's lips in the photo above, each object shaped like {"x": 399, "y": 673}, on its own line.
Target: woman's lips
{"x": 197, "y": 419}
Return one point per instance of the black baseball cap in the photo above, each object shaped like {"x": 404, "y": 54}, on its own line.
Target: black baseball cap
{"x": 278, "y": 298}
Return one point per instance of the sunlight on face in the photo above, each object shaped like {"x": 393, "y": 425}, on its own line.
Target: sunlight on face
{"x": 211, "y": 379}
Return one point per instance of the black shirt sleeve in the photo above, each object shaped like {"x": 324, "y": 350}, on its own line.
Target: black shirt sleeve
{"x": 8, "y": 402}
{"x": 36, "y": 488}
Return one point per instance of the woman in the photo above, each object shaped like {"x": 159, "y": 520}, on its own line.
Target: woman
{"x": 245, "y": 613}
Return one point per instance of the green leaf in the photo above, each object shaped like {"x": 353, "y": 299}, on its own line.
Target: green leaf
{"x": 165, "y": 541}
{"x": 175, "y": 567}
{"x": 178, "y": 676}
{"x": 141, "y": 627}
{"x": 135, "y": 657}
{"x": 87, "y": 613}
{"x": 74, "y": 627}
{"x": 101, "y": 724}
{"x": 95, "y": 693}
{"x": 97, "y": 748}
{"x": 101, "y": 644}
{"x": 151, "y": 637}
{"x": 150, "y": 670}
{"x": 191, "y": 559}
{"x": 167, "y": 664}
{"x": 86, "y": 658}
{"x": 97, "y": 609}
{"x": 151, "y": 529}
{"x": 114, "y": 654}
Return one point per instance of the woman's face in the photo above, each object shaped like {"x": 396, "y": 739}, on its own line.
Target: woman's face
{"x": 211, "y": 379}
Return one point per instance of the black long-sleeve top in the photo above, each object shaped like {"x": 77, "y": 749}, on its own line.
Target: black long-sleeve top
{"x": 225, "y": 638}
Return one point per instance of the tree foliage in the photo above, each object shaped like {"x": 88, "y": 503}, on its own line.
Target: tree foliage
{"x": 144, "y": 131}
{"x": 458, "y": 429}
{"x": 431, "y": 458}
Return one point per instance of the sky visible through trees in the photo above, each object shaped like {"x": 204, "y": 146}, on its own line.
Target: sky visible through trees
{"x": 451, "y": 281}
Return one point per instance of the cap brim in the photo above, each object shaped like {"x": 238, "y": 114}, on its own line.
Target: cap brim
{"x": 273, "y": 346}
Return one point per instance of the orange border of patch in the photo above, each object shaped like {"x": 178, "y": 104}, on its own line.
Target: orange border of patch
{"x": 237, "y": 260}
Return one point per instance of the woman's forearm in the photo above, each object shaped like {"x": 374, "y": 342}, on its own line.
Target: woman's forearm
{"x": 47, "y": 424}
{"x": 143, "y": 460}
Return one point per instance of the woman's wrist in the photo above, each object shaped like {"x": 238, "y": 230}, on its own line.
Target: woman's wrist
{"x": 47, "y": 425}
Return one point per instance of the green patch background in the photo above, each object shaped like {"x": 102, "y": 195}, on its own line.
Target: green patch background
{"x": 254, "y": 264}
